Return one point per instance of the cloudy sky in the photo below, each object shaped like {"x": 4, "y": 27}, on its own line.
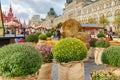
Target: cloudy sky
{"x": 25, "y": 9}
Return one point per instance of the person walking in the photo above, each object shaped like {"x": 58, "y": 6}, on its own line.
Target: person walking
{"x": 58, "y": 34}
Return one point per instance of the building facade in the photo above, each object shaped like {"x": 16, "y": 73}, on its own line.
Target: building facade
{"x": 50, "y": 18}
{"x": 35, "y": 20}
{"x": 82, "y": 10}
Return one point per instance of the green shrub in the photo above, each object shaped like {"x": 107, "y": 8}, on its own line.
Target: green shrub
{"x": 48, "y": 34}
{"x": 19, "y": 60}
{"x": 101, "y": 34}
{"x": 52, "y": 31}
{"x": 102, "y": 43}
{"x": 42, "y": 37}
{"x": 31, "y": 38}
{"x": 69, "y": 49}
{"x": 111, "y": 56}
{"x": 38, "y": 33}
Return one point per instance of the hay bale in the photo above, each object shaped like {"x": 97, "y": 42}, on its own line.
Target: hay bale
{"x": 70, "y": 28}
{"x": 82, "y": 36}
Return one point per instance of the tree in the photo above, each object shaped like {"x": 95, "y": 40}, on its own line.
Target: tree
{"x": 103, "y": 21}
{"x": 116, "y": 23}
{"x": 59, "y": 25}
{"x": 91, "y": 21}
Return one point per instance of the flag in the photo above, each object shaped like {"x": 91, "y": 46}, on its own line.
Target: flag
{"x": 1, "y": 22}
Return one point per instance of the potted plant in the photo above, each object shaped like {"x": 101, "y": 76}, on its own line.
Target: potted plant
{"x": 91, "y": 43}
{"x": 38, "y": 33}
{"x": 111, "y": 57}
{"x": 100, "y": 47}
{"x": 69, "y": 53}
{"x": 101, "y": 35}
{"x": 42, "y": 37}
{"x": 49, "y": 34}
{"x": 19, "y": 62}
{"x": 46, "y": 68}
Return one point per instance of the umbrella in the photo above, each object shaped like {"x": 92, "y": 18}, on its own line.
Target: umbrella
{"x": 12, "y": 24}
{"x": 40, "y": 27}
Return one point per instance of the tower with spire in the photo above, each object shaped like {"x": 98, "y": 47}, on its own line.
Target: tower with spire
{"x": 69, "y": 1}
{"x": 10, "y": 16}
{"x": 24, "y": 24}
{"x": 51, "y": 14}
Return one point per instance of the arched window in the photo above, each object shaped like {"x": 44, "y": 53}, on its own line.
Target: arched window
{"x": 117, "y": 12}
{"x": 95, "y": 17}
{"x": 102, "y": 14}
{"x": 101, "y": 6}
{"x": 115, "y": 2}
{"x": 96, "y": 8}
{"x": 109, "y": 14}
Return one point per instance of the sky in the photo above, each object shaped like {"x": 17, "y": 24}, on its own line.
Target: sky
{"x": 25, "y": 9}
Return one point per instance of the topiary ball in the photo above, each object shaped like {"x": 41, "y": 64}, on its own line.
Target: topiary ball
{"x": 31, "y": 38}
{"x": 101, "y": 34}
{"x": 102, "y": 43}
{"x": 19, "y": 60}
{"x": 92, "y": 42}
{"x": 38, "y": 33}
{"x": 111, "y": 56}
{"x": 42, "y": 37}
{"x": 48, "y": 34}
{"x": 69, "y": 49}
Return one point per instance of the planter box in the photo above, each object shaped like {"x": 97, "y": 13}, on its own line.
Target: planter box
{"x": 91, "y": 52}
{"x": 41, "y": 42}
{"x": 114, "y": 43}
{"x": 98, "y": 54}
{"x": 45, "y": 72}
{"x": 49, "y": 39}
{"x": 71, "y": 71}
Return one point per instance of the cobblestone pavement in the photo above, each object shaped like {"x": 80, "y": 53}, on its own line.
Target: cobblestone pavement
{"x": 89, "y": 66}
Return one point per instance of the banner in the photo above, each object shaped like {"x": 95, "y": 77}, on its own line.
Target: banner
{"x": 1, "y": 22}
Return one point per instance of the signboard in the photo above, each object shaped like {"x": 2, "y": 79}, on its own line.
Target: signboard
{"x": 1, "y": 23}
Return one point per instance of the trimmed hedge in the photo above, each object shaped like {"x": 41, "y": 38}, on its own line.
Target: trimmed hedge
{"x": 111, "y": 56}
{"x": 102, "y": 43}
{"x": 38, "y": 33}
{"x": 48, "y": 34}
{"x": 31, "y": 38}
{"x": 42, "y": 37}
{"x": 101, "y": 34}
{"x": 19, "y": 60}
{"x": 69, "y": 49}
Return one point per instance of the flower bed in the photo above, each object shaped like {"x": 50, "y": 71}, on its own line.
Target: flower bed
{"x": 103, "y": 75}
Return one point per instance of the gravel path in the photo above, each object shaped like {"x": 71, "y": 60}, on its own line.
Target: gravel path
{"x": 89, "y": 66}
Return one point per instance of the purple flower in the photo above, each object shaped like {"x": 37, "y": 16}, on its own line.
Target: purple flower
{"x": 45, "y": 50}
{"x": 91, "y": 42}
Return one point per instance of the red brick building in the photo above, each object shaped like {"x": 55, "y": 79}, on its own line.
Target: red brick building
{"x": 10, "y": 17}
